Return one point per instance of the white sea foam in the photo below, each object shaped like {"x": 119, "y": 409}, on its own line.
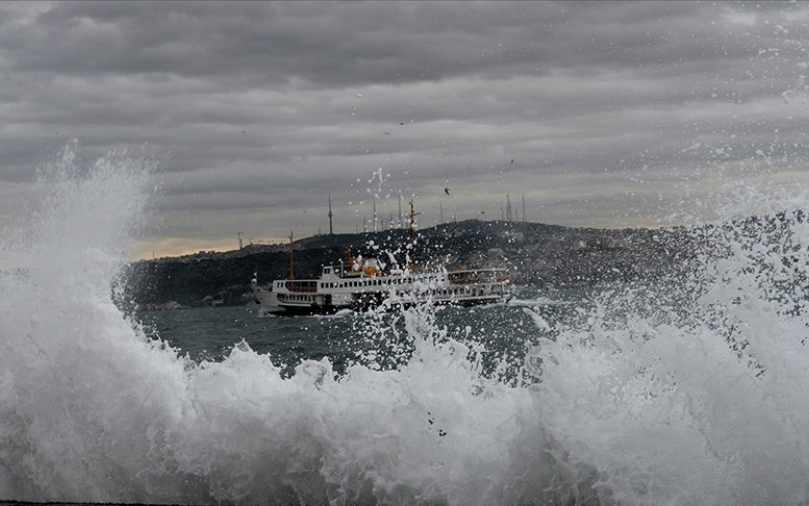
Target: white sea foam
{"x": 90, "y": 410}
{"x": 646, "y": 402}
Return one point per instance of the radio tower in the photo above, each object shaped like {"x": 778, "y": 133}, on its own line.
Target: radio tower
{"x": 523, "y": 209}
{"x": 331, "y": 230}
{"x": 508, "y": 208}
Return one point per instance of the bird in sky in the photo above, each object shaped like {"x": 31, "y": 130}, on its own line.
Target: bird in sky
{"x": 446, "y": 190}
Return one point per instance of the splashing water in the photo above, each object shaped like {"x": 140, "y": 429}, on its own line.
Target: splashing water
{"x": 688, "y": 393}
{"x": 704, "y": 403}
{"x": 90, "y": 410}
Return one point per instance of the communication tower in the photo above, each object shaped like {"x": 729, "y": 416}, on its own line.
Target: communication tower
{"x": 331, "y": 229}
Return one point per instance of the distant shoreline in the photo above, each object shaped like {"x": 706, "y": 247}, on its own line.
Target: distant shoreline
{"x": 535, "y": 254}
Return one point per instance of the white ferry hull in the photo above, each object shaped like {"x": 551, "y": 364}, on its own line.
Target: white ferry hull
{"x": 330, "y": 293}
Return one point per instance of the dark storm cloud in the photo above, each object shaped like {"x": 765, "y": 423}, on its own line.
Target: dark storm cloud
{"x": 262, "y": 109}
{"x": 360, "y": 43}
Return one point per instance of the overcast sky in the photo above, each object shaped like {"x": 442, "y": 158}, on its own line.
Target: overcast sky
{"x": 596, "y": 114}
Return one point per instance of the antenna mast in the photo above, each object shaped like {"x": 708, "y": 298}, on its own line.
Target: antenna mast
{"x": 331, "y": 230}
{"x": 523, "y": 209}
{"x": 509, "y": 216}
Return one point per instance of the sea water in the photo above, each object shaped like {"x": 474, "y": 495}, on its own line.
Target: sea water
{"x": 688, "y": 391}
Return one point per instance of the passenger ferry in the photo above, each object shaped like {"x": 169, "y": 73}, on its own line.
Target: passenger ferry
{"x": 363, "y": 286}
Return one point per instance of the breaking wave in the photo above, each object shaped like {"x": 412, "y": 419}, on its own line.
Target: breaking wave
{"x": 687, "y": 392}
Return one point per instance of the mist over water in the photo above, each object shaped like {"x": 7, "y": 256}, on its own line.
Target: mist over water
{"x": 691, "y": 392}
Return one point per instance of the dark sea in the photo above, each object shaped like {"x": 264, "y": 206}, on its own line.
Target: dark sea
{"x": 503, "y": 332}
{"x": 690, "y": 390}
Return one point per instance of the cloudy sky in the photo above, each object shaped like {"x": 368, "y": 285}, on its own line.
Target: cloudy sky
{"x": 596, "y": 114}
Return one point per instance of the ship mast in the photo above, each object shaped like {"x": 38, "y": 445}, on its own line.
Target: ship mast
{"x": 291, "y": 256}
{"x": 411, "y": 243}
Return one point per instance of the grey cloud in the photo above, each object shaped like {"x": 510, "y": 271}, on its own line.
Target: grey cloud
{"x": 249, "y": 103}
{"x": 345, "y": 44}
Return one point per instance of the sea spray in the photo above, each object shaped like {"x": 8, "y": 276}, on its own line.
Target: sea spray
{"x": 683, "y": 392}
{"x": 81, "y": 386}
{"x": 91, "y": 410}
{"x": 431, "y": 432}
{"x": 700, "y": 400}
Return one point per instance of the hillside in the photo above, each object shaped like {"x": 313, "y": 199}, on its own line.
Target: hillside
{"x": 535, "y": 254}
